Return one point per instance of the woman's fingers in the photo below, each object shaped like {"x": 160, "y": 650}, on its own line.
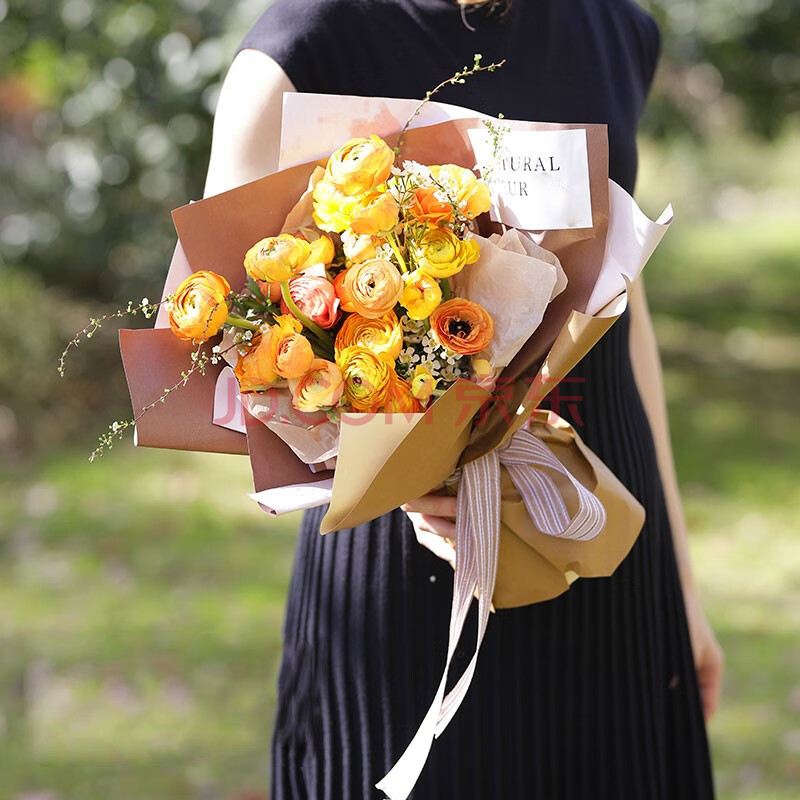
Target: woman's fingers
{"x": 428, "y": 523}
{"x": 435, "y": 505}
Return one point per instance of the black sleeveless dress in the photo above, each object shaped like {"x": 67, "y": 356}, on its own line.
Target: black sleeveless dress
{"x": 592, "y": 694}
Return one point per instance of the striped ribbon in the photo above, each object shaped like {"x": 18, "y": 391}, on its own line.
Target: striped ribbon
{"x": 530, "y": 465}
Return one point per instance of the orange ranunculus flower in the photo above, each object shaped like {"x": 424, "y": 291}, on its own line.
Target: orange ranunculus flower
{"x": 322, "y": 249}
{"x": 371, "y": 288}
{"x": 421, "y": 294}
{"x": 428, "y": 207}
{"x": 332, "y": 209}
{"x": 368, "y": 378}
{"x": 383, "y": 335}
{"x": 276, "y": 258}
{"x": 199, "y": 307}
{"x": 255, "y": 370}
{"x": 321, "y": 387}
{"x": 291, "y": 351}
{"x": 359, "y": 248}
{"x": 470, "y": 194}
{"x": 442, "y": 254}
{"x": 423, "y": 383}
{"x": 360, "y": 165}
{"x": 462, "y": 326}
{"x": 375, "y": 213}
{"x": 401, "y": 400}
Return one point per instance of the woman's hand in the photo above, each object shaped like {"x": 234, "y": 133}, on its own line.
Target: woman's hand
{"x": 709, "y": 659}
{"x": 433, "y": 517}
{"x": 433, "y": 513}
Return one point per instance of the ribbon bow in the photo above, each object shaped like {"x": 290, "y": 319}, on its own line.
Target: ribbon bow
{"x": 530, "y": 465}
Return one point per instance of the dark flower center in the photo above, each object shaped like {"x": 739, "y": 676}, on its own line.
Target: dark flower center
{"x": 459, "y": 327}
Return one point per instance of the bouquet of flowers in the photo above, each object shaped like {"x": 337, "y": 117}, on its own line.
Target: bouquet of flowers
{"x": 385, "y": 303}
{"x": 353, "y": 310}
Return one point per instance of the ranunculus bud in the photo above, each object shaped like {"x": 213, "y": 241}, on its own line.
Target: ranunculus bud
{"x": 423, "y": 383}
{"x": 421, "y": 294}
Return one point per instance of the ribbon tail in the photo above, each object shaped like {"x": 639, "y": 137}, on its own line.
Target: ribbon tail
{"x": 477, "y": 537}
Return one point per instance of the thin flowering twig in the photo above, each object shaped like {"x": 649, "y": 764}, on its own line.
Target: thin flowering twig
{"x": 459, "y": 77}
{"x": 147, "y": 308}
{"x": 199, "y": 359}
{"x": 116, "y": 429}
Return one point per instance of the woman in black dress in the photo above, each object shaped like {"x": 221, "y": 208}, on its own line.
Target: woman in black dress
{"x": 593, "y": 694}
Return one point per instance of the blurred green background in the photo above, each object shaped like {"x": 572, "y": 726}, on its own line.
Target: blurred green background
{"x": 140, "y": 615}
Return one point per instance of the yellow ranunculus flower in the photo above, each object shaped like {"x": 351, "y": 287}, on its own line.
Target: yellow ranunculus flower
{"x": 423, "y": 383}
{"x": 322, "y": 249}
{"x": 470, "y": 194}
{"x": 384, "y": 335}
{"x": 360, "y": 165}
{"x": 292, "y": 354}
{"x": 276, "y": 258}
{"x": 332, "y": 209}
{"x": 368, "y": 378}
{"x": 320, "y": 387}
{"x": 199, "y": 306}
{"x": 421, "y": 294}
{"x": 375, "y": 213}
{"x": 442, "y": 254}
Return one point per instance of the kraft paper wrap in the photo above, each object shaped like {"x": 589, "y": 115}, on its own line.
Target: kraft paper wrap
{"x": 380, "y": 464}
{"x": 533, "y": 566}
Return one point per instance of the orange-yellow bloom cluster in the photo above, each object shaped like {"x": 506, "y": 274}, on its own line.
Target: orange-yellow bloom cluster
{"x": 332, "y": 291}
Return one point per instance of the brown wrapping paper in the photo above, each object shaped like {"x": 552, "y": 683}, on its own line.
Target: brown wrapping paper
{"x": 382, "y": 462}
{"x": 533, "y": 566}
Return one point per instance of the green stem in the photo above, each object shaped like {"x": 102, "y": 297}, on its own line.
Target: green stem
{"x": 447, "y": 292}
{"x": 321, "y": 334}
{"x": 392, "y": 237}
{"x": 241, "y": 322}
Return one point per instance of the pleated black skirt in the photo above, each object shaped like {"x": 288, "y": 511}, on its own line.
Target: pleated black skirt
{"x": 592, "y": 695}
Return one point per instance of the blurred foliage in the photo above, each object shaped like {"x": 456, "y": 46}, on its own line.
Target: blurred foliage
{"x": 726, "y": 63}
{"x": 38, "y": 409}
{"x": 106, "y": 124}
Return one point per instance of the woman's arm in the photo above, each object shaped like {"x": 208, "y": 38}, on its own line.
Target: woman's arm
{"x": 647, "y": 372}
{"x": 247, "y": 123}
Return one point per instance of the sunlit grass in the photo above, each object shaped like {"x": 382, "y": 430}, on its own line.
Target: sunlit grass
{"x": 141, "y": 597}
